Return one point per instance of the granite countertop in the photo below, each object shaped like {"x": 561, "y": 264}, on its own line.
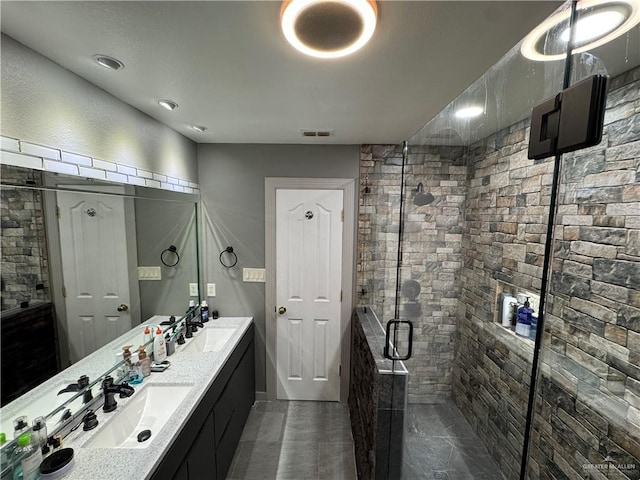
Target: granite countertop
{"x": 197, "y": 369}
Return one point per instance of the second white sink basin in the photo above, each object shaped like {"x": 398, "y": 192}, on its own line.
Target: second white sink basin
{"x": 148, "y": 409}
{"x": 209, "y": 339}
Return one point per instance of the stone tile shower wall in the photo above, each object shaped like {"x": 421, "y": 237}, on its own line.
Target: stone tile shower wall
{"x": 587, "y": 422}
{"x": 506, "y": 213}
{"x": 432, "y": 256}
{"x": 24, "y": 252}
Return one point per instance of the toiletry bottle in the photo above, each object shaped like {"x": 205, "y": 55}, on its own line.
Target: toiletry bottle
{"x": 126, "y": 354}
{"x": 159, "y": 348}
{"x": 145, "y": 361}
{"x": 5, "y": 452}
{"x": 204, "y": 311}
{"x": 523, "y": 326}
{"x": 506, "y": 309}
{"x": 39, "y": 428}
{"x": 190, "y": 312}
{"x": 135, "y": 373}
{"x": 169, "y": 344}
{"x": 26, "y": 459}
{"x": 147, "y": 336}
{"x": 20, "y": 426}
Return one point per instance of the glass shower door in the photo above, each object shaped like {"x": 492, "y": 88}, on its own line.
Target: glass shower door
{"x": 475, "y": 223}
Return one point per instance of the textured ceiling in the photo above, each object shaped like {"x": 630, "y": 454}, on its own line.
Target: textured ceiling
{"x": 228, "y": 66}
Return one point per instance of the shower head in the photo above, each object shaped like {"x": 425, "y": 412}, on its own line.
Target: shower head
{"x": 422, "y": 198}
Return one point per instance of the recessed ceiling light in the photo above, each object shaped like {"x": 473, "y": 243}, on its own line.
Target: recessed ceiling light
{"x": 598, "y": 22}
{"x": 328, "y": 28}
{"x": 199, "y": 128}
{"x": 168, "y": 104}
{"x": 108, "y": 62}
{"x": 469, "y": 112}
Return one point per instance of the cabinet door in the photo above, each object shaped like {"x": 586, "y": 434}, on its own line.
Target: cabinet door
{"x": 201, "y": 461}
{"x": 183, "y": 473}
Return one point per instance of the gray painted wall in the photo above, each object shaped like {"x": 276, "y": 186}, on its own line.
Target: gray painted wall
{"x": 160, "y": 224}
{"x": 231, "y": 178}
{"x": 46, "y": 104}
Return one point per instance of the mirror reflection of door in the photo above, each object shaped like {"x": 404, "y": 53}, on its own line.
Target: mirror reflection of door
{"x": 94, "y": 269}
{"x": 309, "y": 272}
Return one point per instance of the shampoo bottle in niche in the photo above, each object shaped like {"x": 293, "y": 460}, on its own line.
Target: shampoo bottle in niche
{"x": 159, "y": 348}
{"x": 523, "y": 325}
{"x": 506, "y": 309}
{"x": 204, "y": 311}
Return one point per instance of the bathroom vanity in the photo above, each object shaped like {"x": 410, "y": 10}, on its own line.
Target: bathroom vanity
{"x": 194, "y": 411}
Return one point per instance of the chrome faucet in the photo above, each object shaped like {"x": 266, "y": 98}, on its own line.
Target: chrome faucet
{"x": 110, "y": 389}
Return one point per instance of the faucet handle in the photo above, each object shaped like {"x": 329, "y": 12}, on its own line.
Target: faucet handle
{"x": 107, "y": 382}
{"x": 90, "y": 421}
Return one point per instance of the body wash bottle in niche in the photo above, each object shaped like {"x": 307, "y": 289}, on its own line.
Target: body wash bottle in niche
{"x": 523, "y": 325}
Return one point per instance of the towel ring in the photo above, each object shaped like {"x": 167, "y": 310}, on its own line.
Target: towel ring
{"x": 235, "y": 257}
{"x": 173, "y": 250}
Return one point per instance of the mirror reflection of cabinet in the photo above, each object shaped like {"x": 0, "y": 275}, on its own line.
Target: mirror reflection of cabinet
{"x": 35, "y": 242}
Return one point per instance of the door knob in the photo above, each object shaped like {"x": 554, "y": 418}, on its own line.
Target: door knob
{"x": 281, "y": 310}
{"x": 123, "y": 308}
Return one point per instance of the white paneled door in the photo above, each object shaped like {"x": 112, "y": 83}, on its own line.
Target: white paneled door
{"x": 94, "y": 269}
{"x": 309, "y": 227}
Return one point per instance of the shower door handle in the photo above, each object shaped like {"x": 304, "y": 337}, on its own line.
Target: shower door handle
{"x": 393, "y": 355}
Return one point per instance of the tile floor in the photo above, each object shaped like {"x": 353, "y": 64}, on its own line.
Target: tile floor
{"x": 440, "y": 445}
{"x": 295, "y": 440}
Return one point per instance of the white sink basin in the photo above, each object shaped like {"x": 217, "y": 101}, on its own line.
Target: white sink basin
{"x": 148, "y": 409}
{"x": 209, "y": 339}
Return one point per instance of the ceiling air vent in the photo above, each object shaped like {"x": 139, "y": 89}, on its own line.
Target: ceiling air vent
{"x": 316, "y": 133}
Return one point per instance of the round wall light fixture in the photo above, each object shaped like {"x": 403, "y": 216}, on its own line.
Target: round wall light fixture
{"x": 328, "y": 28}
{"x": 598, "y": 22}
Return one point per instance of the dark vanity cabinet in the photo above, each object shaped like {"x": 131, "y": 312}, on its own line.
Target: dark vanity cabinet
{"x": 205, "y": 447}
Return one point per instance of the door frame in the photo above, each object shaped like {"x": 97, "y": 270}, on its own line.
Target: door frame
{"x": 271, "y": 185}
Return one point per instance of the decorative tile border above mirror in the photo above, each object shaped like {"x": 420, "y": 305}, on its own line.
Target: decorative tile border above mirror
{"x": 38, "y": 157}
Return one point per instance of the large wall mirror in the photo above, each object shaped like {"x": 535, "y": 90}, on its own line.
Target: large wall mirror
{"x": 83, "y": 262}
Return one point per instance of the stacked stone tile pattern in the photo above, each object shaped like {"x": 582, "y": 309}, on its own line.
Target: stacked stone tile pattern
{"x": 24, "y": 248}
{"x": 491, "y": 228}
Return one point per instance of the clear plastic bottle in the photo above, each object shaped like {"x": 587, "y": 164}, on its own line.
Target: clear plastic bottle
{"x": 26, "y": 459}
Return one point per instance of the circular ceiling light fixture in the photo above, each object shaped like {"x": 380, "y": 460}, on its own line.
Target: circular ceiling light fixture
{"x": 328, "y": 28}
{"x": 469, "y": 112}
{"x": 168, "y": 104}
{"x": 199, "y": 128}
{"x": 108, "y": 62}
{"x": 598, "y": 22}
